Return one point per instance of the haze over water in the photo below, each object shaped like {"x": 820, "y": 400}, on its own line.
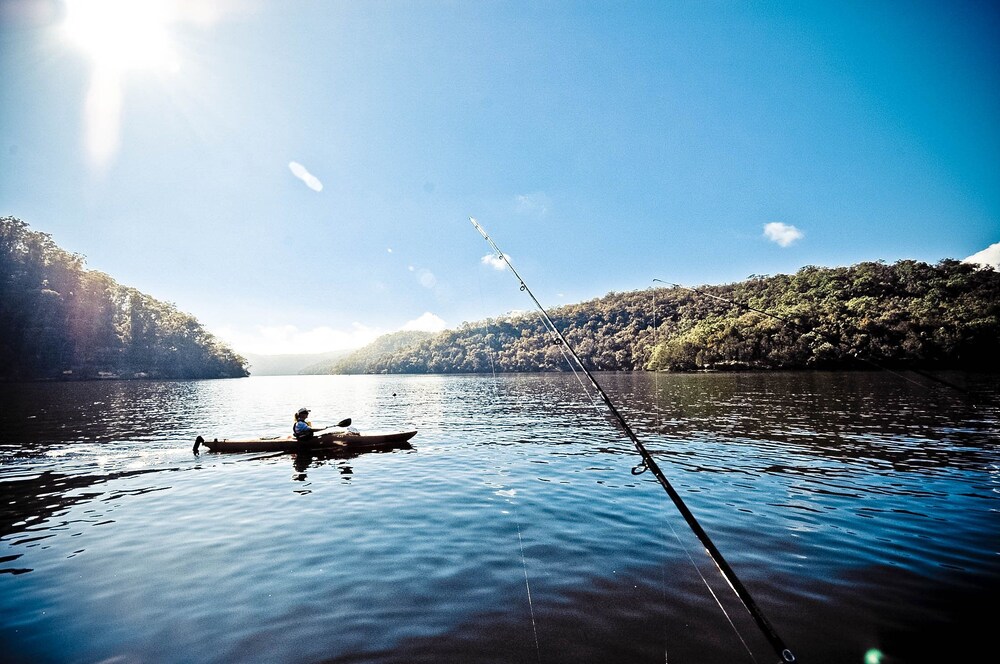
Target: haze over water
{"x": 859, "y": 509}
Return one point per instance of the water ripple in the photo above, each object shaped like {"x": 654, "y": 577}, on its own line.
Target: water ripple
{"x": 850, "y": 505}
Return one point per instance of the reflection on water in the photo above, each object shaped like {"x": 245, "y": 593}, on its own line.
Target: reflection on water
{"x": 340, "y": 458}
{"x": 859, "y": 509}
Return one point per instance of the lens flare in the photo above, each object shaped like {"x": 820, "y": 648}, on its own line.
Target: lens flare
{"x": 873, "y": 656}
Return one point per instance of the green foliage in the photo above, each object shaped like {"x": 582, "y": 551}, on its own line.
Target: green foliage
{"x": 908, "y": 314}
{"x": 58, "y": 320}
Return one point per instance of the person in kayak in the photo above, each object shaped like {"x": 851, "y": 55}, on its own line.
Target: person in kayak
{"x": 302, "y": 430}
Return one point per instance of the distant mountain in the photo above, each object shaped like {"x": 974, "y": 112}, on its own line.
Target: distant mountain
{"x": 361, "y": 361}
{"x": 290, "y": 364}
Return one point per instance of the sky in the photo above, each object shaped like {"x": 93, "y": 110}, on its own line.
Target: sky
{"x": 299, "y": 176}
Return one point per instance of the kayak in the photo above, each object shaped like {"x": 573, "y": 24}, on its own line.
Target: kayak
{"x": 336, "y": 441}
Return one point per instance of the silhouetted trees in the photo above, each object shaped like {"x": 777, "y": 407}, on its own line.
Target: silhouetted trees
{"x": 58, "y": 320}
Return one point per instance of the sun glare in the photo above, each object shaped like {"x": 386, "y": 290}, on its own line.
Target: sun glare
{"x": 118, "y": 36}
{"x": 121, "y": 34}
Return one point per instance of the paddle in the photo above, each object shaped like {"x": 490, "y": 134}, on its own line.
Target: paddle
{"x": 341, "y": 424}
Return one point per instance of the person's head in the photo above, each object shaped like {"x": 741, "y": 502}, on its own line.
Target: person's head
{"x": 302, "y": 414}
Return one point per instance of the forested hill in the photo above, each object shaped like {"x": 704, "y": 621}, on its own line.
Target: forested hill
{"x": 907, "y": 314}
{"x": 61, "y": 321}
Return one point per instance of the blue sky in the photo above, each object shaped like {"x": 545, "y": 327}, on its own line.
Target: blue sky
{"x": 299, "y": 175}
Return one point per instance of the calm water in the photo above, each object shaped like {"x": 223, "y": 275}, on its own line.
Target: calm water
{"x": 860, "y": 510}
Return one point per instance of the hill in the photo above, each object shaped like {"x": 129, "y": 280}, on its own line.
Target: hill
{"x": 61, "y": 321}
{"x": 907, "y": 314}
{"x": 289, "y": 364}
{"x": 362, "y": 360}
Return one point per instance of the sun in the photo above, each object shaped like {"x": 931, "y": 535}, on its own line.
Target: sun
{"x": 119, "y": 35}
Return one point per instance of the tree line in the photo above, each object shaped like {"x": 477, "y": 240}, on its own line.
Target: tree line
{"x": 906, "y": 314}
{"x": 59, "y": 320}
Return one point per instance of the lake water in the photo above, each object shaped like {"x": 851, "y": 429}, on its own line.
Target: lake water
{"x": 860, "y": 510}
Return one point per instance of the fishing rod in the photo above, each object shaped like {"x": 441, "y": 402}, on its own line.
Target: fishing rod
{"x": 648, "y": 463}
{"x": 829, "y": 338}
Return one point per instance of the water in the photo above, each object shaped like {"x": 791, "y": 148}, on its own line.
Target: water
{"x": 860, "y": 510}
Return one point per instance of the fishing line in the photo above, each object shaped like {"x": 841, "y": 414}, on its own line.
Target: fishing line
{"x": 648, "y": 463}
{"x": 711, "y": 591}
{"x": 527, "y": 587}
{"x": 663, "y": 563}
{"x": 489, "y": 354}
{"x": 659, "y": 428}
{"x": 680, "y": 542}
{"x": 561, "y": 344}
{"x": 510, "y": 499}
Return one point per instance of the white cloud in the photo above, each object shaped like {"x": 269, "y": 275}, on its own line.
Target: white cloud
{"x": 990, "y": 257}
{"x": 493, "y": 261}
{"x": 427, "y": 322}
{"x": 782, "y": 234}
{"x": 289, "y": 339}
{"x": 536, "y": 203}
{"x": 299, "y": 171}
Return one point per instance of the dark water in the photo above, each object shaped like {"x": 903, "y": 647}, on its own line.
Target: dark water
{"x": 860, "y": 510}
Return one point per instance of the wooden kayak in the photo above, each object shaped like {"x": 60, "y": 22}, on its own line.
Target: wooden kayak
{"x": 335, "y": 441}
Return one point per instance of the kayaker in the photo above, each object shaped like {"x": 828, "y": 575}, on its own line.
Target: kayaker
{"x": 302, "y": 430}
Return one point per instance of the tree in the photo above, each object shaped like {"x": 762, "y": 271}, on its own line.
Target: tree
{"x": 58, "y": 320}
{"x": 905, "y": 314}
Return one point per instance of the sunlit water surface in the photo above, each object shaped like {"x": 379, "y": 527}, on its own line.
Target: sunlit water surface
{"x": 860, "y": 511}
